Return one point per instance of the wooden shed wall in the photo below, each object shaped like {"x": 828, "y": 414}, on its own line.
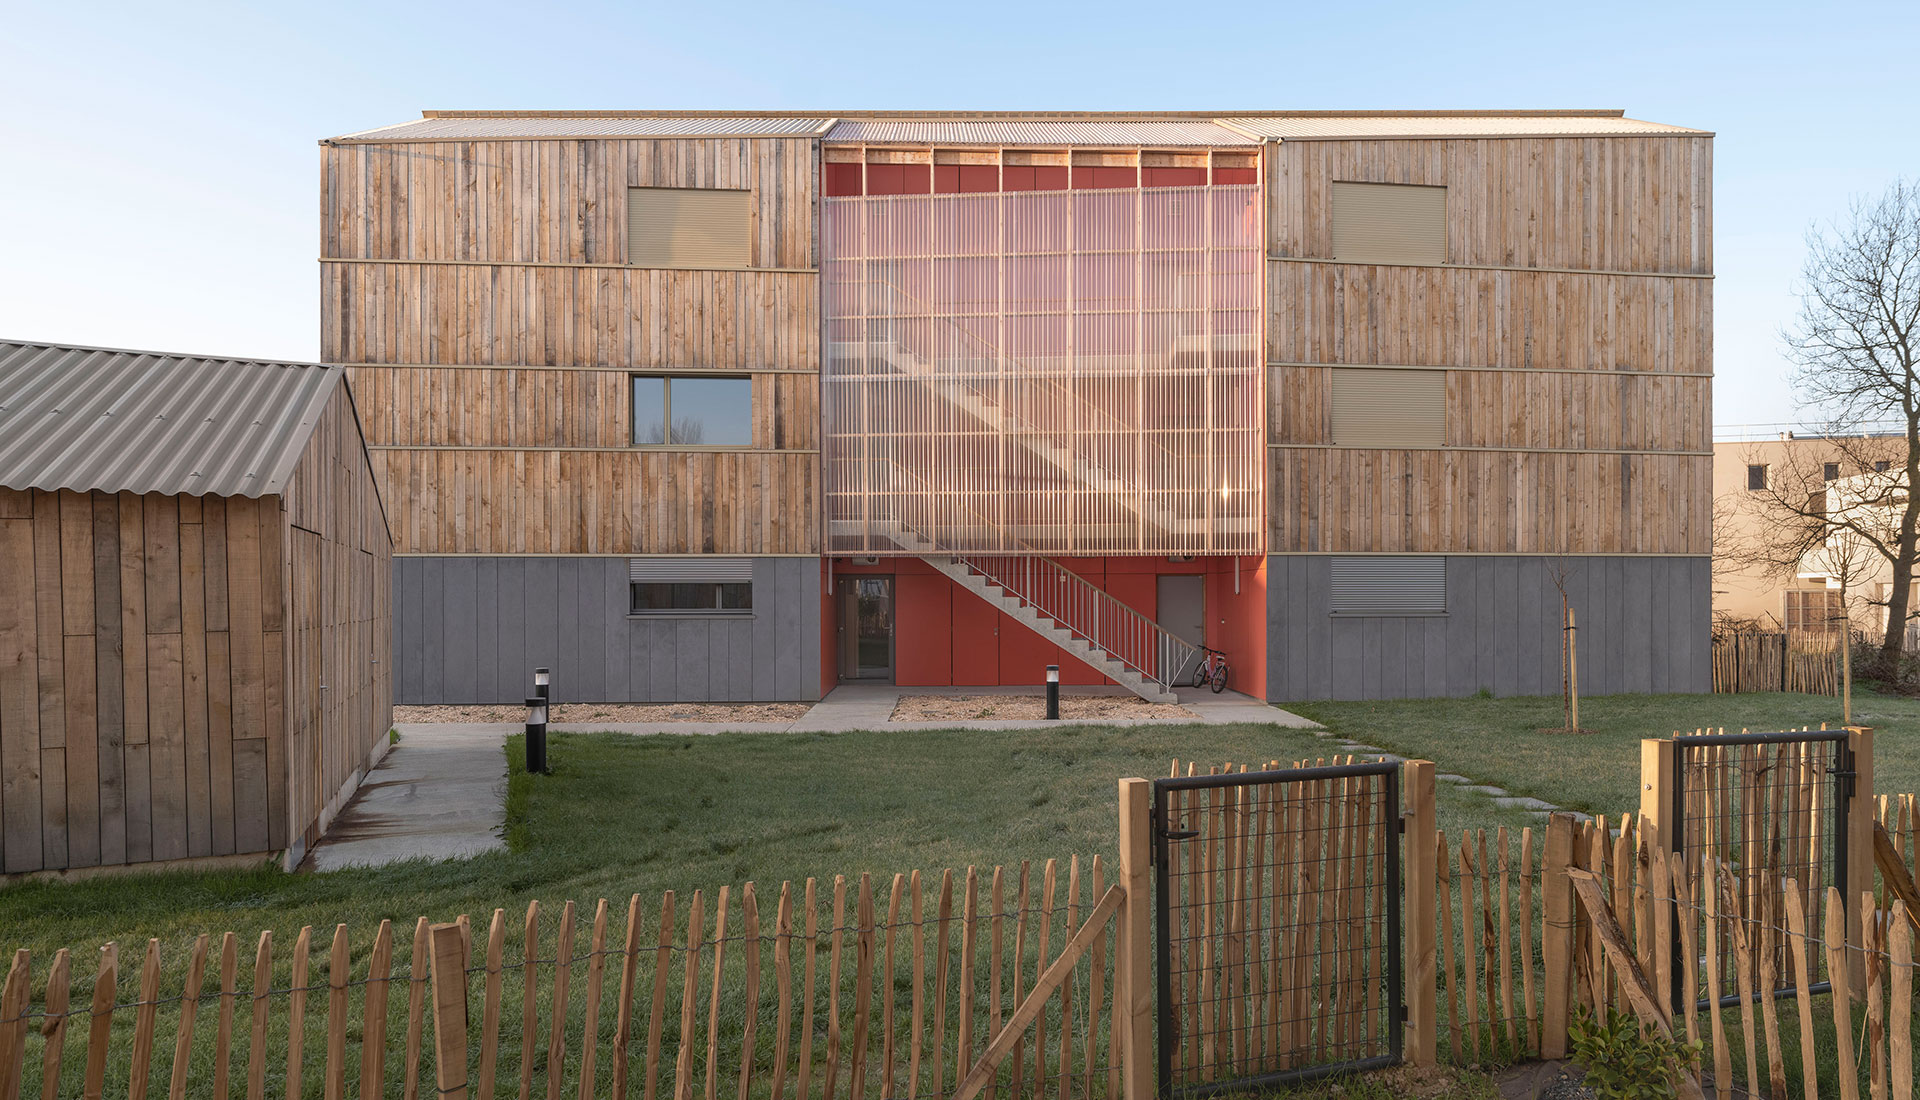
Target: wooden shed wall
{"x": 444, "y": 263}
{"x": 1574, "y": 319}
{"x": 141, "y": 673}
{"x": 340, "y": 621}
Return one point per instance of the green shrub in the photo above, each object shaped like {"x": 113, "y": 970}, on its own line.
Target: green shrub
{"x": 1624, "y": 1061}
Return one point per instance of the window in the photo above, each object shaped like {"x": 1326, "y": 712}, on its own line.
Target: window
{"x": 1812, "y": 610}
{"x": 1373, "y": 407}
{"x": 1389, "y": 223}
{"x": 1880, "y": 467}
{"x": 1830, "y": 472}
{"x": 688, "y": 227}
{"x": 688, "y": 411}
{"x": 1389, "y": 585}
{"x": 690, "y": 586}
{"x": 1757, "y": 476}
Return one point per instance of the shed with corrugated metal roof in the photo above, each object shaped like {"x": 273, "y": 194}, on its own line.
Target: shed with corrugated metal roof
{"x": 195, "y": 607}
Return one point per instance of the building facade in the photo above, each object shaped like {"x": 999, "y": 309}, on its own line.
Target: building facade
{"x": 731, "y": 406}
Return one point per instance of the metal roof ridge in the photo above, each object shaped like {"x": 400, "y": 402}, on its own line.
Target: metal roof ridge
{"x": 56, "y": 345}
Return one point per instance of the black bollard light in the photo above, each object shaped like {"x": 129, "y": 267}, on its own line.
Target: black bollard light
{"x": 541, "y": 679}
{"x": 1053, "y": 692}
{"x": 536, "y": 735}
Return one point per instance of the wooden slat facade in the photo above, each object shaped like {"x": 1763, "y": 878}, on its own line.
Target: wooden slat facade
{"x": 479, "y": 292}
{"x": 1574, "y": 318}
{"x": 147, "y": 708}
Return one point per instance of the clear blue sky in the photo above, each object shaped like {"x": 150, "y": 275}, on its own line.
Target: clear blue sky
{"x": 159, "y": 174}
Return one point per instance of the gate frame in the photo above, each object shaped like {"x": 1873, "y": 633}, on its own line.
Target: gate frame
{"x": 1663, "y": 806}
{"x": 1396, "y": 994}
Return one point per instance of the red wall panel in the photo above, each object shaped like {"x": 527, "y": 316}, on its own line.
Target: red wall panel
{"x": 1235, "y": 175}
{"x": 923, "y": 629}
{"x": 840, "y": 179}
{"x": 976, "y": 648}
{"x": 1173, "y": 177}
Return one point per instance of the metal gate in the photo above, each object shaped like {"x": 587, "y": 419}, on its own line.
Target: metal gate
{"x": 1770, "y": 807}
{"x": 1278, "y": 925}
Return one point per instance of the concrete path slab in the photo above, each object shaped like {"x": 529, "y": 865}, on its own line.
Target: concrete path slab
{"x": 439, "y": 794}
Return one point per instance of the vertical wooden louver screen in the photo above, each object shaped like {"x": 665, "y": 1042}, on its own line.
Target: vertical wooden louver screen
{"x": 1389, "y": 408}
{"x": 1388, "y": 585}
{"x": 1389, "y": 223}
{"x": 688, "y": 227}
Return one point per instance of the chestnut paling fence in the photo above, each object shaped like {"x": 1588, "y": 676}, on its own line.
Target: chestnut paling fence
{"x": 1021, "y": 981}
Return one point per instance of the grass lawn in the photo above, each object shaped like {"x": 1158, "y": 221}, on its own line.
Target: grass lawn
{"x": 645, "y": 814}
{"x": 1499, "y": 740}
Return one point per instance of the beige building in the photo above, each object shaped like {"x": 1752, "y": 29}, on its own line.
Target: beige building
{"x": 1747, "y": 475}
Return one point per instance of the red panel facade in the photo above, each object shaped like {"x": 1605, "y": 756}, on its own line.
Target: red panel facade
{"x": 840, "y": 179}
{"x": 946, "y": 636}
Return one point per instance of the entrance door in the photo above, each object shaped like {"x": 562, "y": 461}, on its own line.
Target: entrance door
{"x": 1182, "y": 612}
{"x": 866, "y": 628}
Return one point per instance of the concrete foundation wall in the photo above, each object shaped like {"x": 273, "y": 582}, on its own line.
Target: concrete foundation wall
{"x": 1643, "y": 621}
{"x": 472, "y": 629}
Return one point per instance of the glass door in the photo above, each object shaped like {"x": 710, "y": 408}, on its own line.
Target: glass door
{"x": 866, "y": 628}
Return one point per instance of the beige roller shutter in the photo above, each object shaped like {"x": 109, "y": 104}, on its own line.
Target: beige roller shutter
{"x": 687, "y": 227}
{"x": 1389, "y": 408}
{"x": 1389, "y": 223}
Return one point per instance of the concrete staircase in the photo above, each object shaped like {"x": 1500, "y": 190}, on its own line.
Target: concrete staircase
{"x": 1052, "y": 629}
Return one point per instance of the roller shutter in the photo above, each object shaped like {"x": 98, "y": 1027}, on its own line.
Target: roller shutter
{"x": 689, "y": 570}
{"x": 1389, "y": 585}
{"x": 1389, "y": 223}
{"x": 687, "y": 227}
{"x": 1389, "y": 408}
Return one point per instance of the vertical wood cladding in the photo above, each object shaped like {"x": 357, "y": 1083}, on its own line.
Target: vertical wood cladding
{"x": 493, "y": 254}
{"x": 559, "y": 202}
{"x": 147, "y": 710}
{"x": 1545, "y": 368}
{"x": 1591, "y": 204}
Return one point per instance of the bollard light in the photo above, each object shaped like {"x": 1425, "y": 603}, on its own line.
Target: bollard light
{"x": 541, "y": 678}
{"x": 1053, "y": 692}
{"x": 536, "y": 735}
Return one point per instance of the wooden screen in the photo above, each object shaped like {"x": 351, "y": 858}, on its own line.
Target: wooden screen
{"x": 1063, "y": 372}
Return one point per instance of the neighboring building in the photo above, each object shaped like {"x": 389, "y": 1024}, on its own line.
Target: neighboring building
{"x": 737, "y": 405}
{"x": 195, "y": 583}
{"x": 1750, "y": 478}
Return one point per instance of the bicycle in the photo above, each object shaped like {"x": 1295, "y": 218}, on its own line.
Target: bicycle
{"x": 1213, "y": 669}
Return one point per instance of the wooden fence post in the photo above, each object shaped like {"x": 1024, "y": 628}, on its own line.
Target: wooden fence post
{"x": 1860, "y": 862}
{"x": 1556, "y": 936}
{"x": 1135, "y": 961}
{"x": 1659, "y": 768}
{"x": 1421, "y": 886}
{"x": 448, "y": 948}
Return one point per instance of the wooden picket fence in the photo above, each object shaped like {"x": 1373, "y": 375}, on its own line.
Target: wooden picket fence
{"x": 1747, "y": 661}
{"x": 1013, "y": 983}
{"x": 1009, "y": 982}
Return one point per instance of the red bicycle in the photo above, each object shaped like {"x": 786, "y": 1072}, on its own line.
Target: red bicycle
{"x": 1213, "y": 670}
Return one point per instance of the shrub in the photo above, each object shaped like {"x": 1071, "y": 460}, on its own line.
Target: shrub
{"x": 1624, "y": 1061}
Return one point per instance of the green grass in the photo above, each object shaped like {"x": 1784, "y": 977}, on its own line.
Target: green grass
{"x": 623, "y": 815}
{"x": 1499, "y": 741}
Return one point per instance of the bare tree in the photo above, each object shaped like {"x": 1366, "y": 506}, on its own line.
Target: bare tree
{"x": 1856, "y": 350}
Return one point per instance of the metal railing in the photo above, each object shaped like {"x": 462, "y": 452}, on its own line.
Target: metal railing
{"x": 1129, "y": 637}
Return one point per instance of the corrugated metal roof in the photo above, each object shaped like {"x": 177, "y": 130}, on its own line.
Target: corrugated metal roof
{"x": 145, "y": 422}
{"x": 879, "y": 131}
{"x": 1290, "y": 128}
{"x": 471, "y": 127}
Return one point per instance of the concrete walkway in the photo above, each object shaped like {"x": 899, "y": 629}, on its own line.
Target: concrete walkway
{"x": 441, "y": 793}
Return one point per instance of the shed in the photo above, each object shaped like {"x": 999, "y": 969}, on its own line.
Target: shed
{"x": 195, "y": 584}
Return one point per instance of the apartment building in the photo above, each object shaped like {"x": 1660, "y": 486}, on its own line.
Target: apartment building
{"x": 720, "y": 405}
{"x": 1756, "y": 484}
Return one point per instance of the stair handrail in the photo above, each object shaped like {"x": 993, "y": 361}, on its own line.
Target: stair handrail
{"x": 1133, "y": 639}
